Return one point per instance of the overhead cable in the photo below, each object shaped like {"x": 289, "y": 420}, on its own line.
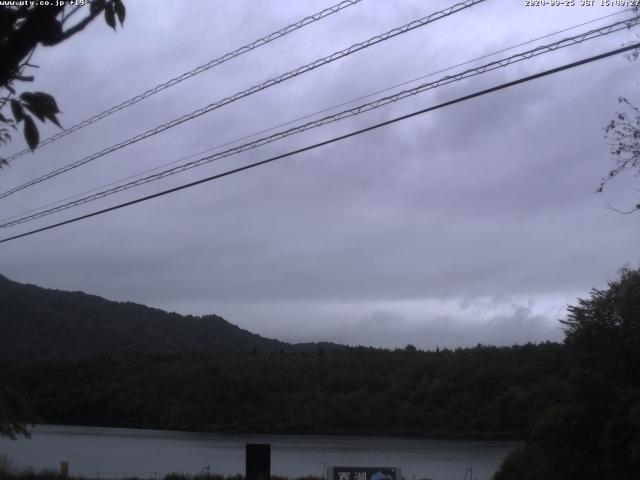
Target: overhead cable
{"x": 257, "y": 88}
{"x": 192, "y": 73}
{"x": 332, "y": 140}
{"x": 566, "y": 42}
{"x": 306, "y": 116}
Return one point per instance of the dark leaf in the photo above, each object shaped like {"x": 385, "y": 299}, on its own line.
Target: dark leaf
{"x": 120, "y": 10}
{"x": 10, "y": 88}
{"x": 16, "y": 109}
{"x": 43, "y": 102}
{"x": 31, "y": 132}
{"x": 52, "y": 118}
{"x": 35, "y": 111}
{"x": 96, "y": 6}
{"x": 42, "y": 105}
{"x": 109, "y": 15}
{"x": 50, "y": 33}
{"x": 3, "y": 163}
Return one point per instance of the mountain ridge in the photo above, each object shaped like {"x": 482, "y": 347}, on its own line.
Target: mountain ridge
{"x": 39, "y": 323}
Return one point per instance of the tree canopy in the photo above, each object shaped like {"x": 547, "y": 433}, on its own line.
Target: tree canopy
{"x": 595, "y": 432}
{"x": 623, "y": 136}
{"x": 24, "y": 27}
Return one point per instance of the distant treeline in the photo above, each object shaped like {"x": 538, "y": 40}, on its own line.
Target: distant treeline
{"x": 476, "y": 392}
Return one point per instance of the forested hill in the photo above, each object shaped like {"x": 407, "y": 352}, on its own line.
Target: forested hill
{"x": 42, "y": 324}
{"x": 85, "y": 360}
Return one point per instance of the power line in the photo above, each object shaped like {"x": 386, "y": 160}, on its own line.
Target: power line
{"x": 333, "y": 140}
{"x": 310, "y": 115}
{"x": 566, "y": 42}
{"x": 256, "y": 88}
{"x": 196, "y": 71}
{"x": 332, "y": 118}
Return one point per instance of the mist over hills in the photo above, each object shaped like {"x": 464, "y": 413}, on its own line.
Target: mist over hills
{"x": 43, "y": 324}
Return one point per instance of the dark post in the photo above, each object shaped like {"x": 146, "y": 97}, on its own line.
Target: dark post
{"x": 258, "y": 464}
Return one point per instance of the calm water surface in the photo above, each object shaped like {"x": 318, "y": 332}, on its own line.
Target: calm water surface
{"x": 113, "y": 452}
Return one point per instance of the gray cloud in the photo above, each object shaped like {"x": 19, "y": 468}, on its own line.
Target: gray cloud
{"x": 492, "y": 198}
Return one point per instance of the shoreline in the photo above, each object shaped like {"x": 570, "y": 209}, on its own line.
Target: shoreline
{"x": 488, "y": 437}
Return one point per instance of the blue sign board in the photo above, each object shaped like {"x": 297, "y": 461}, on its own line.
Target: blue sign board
{"x": 363, "y": 473}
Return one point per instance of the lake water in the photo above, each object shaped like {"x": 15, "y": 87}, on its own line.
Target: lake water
{"x": 117, "y": 452}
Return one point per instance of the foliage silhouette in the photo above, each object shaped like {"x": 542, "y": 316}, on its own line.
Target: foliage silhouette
{"x": 594, "y": 433}
{"x": 24, "y": 27}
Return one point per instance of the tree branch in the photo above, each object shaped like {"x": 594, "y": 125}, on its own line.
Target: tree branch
{"x": 78, "y": 27}
{"x": 623, "y": 212}
{"x": 20, "y": 44}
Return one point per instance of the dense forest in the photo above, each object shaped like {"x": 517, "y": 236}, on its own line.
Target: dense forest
{"x": 484, "y": 391}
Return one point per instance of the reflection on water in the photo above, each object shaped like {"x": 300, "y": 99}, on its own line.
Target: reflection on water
{"x": 113, "y": 452}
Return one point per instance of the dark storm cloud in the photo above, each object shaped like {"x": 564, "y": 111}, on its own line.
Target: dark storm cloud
{"x": 398, "y": 234}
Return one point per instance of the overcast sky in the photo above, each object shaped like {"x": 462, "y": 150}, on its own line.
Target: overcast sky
{"x": 477, "y": 223}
